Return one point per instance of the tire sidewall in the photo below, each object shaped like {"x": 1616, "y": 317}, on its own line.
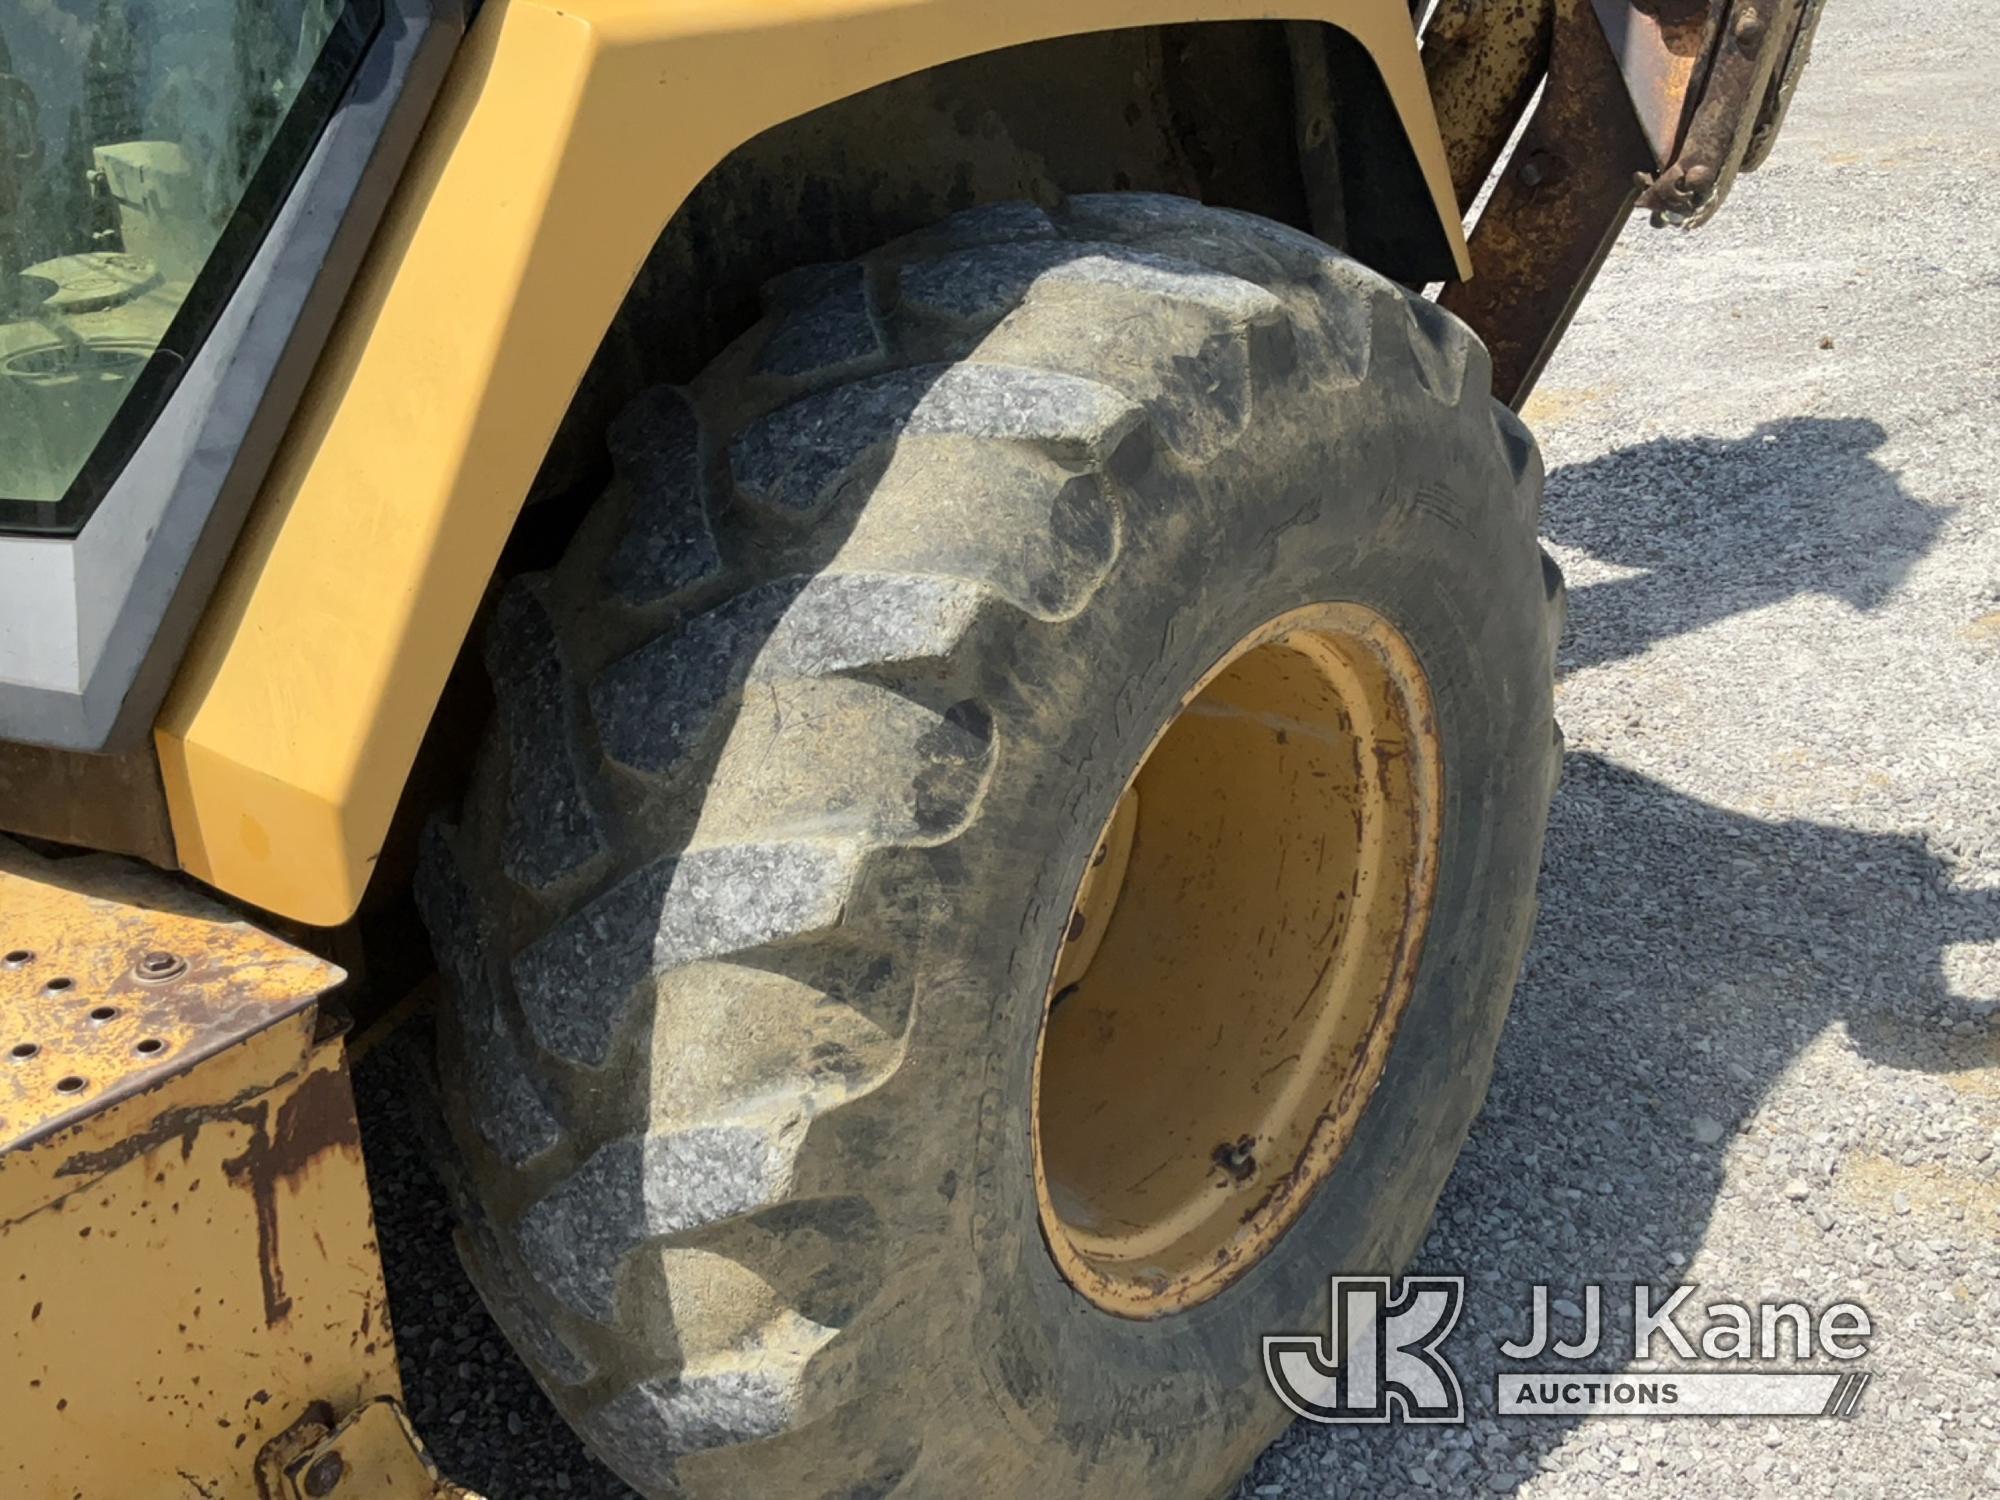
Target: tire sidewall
{"x": 1401, "y": 516}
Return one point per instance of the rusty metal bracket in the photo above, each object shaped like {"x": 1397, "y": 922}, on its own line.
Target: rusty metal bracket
{"x": 1662, "y": 47}
{"x": 1784, "y": 84}
{"x": 1564, "y": 195}
{"x": 1671, "y": 98}
{"x": 373, "y": 1455}
{"x": 1484, "y": 61}
{"x": 1754, "y": 37}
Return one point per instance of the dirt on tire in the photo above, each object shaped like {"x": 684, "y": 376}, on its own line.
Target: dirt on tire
{"x": 800, "y": 753}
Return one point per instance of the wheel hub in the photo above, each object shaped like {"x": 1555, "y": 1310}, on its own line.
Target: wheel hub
{"x": 1238, "y": 954}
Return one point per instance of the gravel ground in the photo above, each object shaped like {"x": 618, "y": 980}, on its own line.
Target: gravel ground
{"x": 1754, "y": 1044}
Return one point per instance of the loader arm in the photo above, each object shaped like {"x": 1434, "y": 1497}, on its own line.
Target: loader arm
{"x": 1659, "y": 103}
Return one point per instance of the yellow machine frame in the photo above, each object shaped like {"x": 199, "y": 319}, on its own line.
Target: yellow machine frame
{"x": 193, "y": 1302}
{"x": 565, "y": 140}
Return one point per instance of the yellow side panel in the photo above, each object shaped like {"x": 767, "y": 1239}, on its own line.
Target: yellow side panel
{"x": 564, "y": 142}
{"x": 187, "y": 1249}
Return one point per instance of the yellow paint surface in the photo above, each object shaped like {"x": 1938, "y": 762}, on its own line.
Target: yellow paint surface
{"x": 187, "y": 1249}
{"x": 565, "y": 139}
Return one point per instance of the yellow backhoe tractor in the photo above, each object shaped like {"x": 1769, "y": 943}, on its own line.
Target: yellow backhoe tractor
{"x": 931, "y": 604}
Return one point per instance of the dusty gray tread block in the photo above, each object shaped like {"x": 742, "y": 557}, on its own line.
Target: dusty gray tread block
{"x": 1524, "y": 454}
{"x": 842, "y": 621}
{"x": 833, "y": 336}
{"x": 1026, "y": 524}
{"x": 793, "y": 459}
{"x": 445, "y": 903}
{"x": 506, "y": 1105}
{"x": 1132, "y": 216}
{"x": 1217, "y": 238}
{"x": 922, "y": 773}
{"x": 552, "y": 831}
{"x": 643, "y": 1188}
{"x": 655, "y": 704}
{"x": 486, "y": 1267}
{"x": 1441, "y": 345}
{"x": 800, "y": 287}
{"x": 992, "y": 224}
{"x": 979, "y": 286}
{"x": 695, "y": 1412}
{"x": 576, "y": 982}
{"x": 1162, "y": 221}
{"x": 667, "y": 545}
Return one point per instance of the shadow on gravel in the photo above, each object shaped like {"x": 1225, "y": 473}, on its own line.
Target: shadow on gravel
{"x": 1683, "y": 958}
{"x": 1685, "y": 955}
{"x": 1723, "y": 526}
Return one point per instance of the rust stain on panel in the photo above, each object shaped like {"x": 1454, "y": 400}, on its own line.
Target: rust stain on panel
{"x": 318, "y": 1118}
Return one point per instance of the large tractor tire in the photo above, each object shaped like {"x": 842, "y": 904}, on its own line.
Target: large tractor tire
{"x": 1006, "y": 848}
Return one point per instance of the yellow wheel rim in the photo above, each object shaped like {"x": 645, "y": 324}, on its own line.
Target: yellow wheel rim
{"x": 1238, "y": 955}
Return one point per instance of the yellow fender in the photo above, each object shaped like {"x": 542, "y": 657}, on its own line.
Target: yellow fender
{"x": 566, "y": 138}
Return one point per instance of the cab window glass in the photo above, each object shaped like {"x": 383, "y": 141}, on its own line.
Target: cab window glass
{"x": 144, "y": 146}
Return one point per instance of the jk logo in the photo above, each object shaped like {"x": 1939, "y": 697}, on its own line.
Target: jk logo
{"x": 1382, "y": 1362}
